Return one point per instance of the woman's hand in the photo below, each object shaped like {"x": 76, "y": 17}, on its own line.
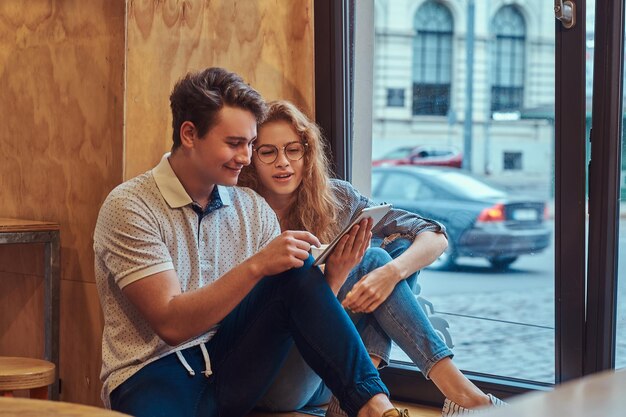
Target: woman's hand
{"x": 371, "y": 290}
{"x": 347, "y": 254}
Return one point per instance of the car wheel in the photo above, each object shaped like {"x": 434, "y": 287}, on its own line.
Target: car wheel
{"x": 446, "y": 261}
{"x": 502, "y": 262}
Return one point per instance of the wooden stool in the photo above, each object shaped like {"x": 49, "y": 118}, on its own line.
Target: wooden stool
{"x": 26, "y": 407}
{"x": 25, "y": 373}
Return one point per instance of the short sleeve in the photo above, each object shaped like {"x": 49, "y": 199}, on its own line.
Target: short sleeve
{"x": 270, "y": 226}
{"x": 128, "y": 242}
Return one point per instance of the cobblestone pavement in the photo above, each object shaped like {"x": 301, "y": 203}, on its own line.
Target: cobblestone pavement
{"x": 508, "y": 333}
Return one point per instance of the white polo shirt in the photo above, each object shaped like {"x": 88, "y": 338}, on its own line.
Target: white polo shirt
{"x": 147, "y": 225}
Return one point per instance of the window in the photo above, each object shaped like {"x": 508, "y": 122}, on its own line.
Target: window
{"x": 507, "y": 90}
{"x": 432, "y": 57}
{"x": 395, "y": 97}
{"x": 495, "y": 284}
{"x": 543, "y": 307}
{"x": 513, "y": 161}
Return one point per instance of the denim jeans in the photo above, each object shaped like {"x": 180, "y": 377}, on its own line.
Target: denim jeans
{"x": 399, "y": 318}
{"x": 250, "y": 348}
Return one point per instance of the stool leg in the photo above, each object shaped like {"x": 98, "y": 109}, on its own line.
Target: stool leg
{"x": 40, "y": 393}
{"x": 6, "y": 393}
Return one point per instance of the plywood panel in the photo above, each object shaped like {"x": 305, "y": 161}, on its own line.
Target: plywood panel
{"x": 21, "y": 315}
{"x": 22, "y": 258}
{"x": 61, "y": 82}
{"x": 268, "y": 42}
{"x": 64, "y": 83}
{"x": 81, "y": 337}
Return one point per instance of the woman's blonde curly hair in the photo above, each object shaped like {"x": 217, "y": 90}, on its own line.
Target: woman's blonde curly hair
{"x": 315, "y": 206}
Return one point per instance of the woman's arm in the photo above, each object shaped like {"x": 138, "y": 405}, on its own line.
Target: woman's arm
{"x": 375, "y": 287}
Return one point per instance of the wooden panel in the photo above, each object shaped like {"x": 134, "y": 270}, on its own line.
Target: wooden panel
{"x": 21, "y": 315}
{"x": 268, "y": 42}
{"x": 61, "y": 78}
{"x": 81, "y": 343}
{"x": 600, "y": 394}
{"x": 27, "y": 258}
{"x": 17, "y": 225}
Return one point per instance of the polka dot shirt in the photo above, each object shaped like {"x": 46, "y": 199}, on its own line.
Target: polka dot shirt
{"x": 148, "y": 225}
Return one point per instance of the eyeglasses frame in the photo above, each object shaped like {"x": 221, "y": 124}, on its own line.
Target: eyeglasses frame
{"x": 304, "y": 144}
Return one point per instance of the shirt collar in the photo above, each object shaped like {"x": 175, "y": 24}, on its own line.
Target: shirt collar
{"x": 173, "y": 191}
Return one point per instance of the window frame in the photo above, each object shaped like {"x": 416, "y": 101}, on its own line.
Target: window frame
{"x": 578, "y": 350}
{"x": 604, "y": 186}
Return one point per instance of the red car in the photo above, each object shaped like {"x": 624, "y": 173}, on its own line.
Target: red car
{"x": 447, "y": 156}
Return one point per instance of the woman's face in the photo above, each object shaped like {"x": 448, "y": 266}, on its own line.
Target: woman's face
{"x": 281, "y": 177}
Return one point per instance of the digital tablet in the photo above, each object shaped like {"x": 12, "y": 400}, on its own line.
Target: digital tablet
{"x": 375, "y": 212}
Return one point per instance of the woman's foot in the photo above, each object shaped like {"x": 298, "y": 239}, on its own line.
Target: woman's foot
{"x": 452, "y": 409}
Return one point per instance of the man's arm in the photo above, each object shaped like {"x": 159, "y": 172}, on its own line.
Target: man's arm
{"x": 177, "y": 317}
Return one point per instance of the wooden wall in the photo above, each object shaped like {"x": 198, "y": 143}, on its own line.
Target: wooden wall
{"x": 268, "y": 42}
{"x": 61, "y": 101}
{"x": 84, "y": 90}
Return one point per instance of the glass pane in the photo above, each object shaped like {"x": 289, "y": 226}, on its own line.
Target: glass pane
{"x": 620, "y": 348}
{"x": 493, "y": 292}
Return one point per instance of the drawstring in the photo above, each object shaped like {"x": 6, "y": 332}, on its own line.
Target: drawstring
{"x": 207, "y": 362}
{"x": 182, "y": 360}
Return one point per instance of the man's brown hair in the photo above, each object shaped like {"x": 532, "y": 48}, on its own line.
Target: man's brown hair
{"x": 199, "y": 96}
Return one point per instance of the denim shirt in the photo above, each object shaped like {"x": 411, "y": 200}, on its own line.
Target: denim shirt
{"x": 396, "y": 223}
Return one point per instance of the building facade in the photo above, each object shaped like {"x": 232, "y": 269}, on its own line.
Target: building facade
{"x": 422, "y": 79}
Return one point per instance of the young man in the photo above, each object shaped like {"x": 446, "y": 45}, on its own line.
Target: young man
{"x": 202, "y": 295}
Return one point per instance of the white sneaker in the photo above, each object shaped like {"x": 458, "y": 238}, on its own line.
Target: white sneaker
{"x": 452, "y": 409}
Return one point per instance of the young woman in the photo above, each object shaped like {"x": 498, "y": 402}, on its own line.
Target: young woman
{"x": 290, "y": 170}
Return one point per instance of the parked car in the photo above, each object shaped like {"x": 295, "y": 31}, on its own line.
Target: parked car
{"x": 447, "y": 156}
{"x": 482, "y": 221}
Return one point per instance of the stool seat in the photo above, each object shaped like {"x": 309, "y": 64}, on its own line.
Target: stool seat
{"x": 25, "y": 407}
{"x": 25, "y": 373}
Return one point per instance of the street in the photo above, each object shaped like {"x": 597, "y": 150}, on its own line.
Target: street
{"x": 502, "y": 322}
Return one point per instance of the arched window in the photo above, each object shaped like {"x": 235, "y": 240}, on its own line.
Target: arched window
{"x": 432, "y": 59}
{"x": 508, "y": 60}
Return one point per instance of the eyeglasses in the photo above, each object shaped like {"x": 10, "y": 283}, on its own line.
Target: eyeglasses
{"x": 294, "y": 151}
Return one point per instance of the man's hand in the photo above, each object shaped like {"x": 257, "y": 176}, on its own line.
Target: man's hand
{"x": 347, "y": 254}
{"x": 289, "y": 250}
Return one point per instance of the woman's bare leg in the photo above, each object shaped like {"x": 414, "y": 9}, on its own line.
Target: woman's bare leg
{"x": 455, "y": 386}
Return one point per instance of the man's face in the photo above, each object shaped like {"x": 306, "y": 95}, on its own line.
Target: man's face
{"x": 226, "y": 148}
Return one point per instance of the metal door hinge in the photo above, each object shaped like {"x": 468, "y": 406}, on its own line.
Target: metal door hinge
{"x": 565, "y": 12}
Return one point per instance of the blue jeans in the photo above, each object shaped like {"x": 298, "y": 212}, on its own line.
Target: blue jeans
{"x": 250, "y": 348}
{"x": 399, "y": 318}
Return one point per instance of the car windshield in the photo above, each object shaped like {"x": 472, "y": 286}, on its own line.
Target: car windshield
{"x": 398, "y": 153}
{"x": 468, "y": 186}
